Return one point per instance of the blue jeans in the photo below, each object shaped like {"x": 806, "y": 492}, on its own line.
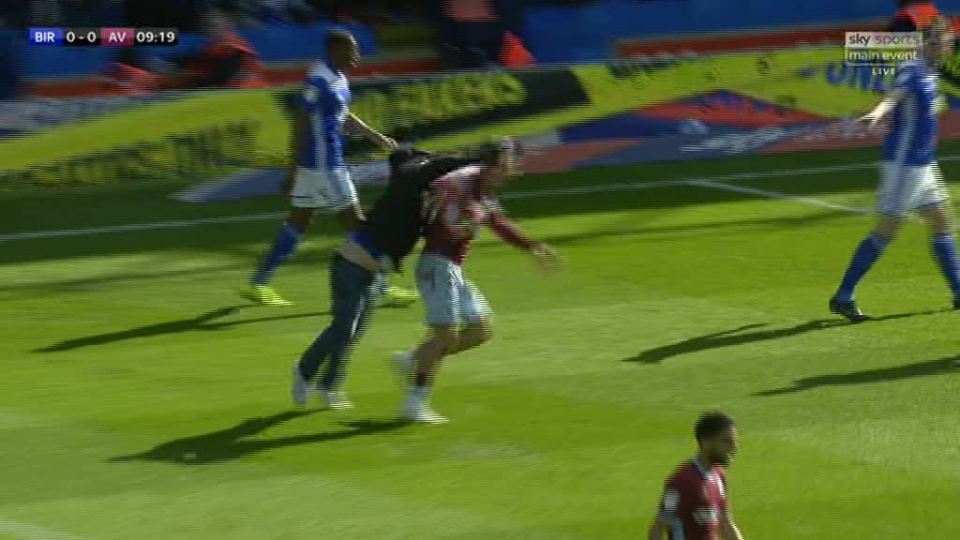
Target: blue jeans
{"x": 352, "y": 289}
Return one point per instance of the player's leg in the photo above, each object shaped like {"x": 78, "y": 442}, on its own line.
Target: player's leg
{"x": 892, "y": 205}
{"x": 438, "y": 281}
{"x": 427, "y": 359}
{"x": 479, "y": 318}
{"x": 934, "y": 205}
{"x": 349, "y": 287}
{"x": 944, "y": 249}
{"x": 474, "y": 334}
{"x": 461, "y": 301}
{"x": 284, "y": 244}
{"x": 306, "y": 195}
{"x": 866, "y": 255}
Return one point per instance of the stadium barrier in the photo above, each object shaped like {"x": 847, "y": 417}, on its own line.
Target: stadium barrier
{"x": 181, "y": 155}
{"x": 623, "y": 111}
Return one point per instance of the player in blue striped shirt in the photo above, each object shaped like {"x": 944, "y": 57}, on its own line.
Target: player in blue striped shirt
{"x": 320, "y": 180}
{"x": 910, "y": 176}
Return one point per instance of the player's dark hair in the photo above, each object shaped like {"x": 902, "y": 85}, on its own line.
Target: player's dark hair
{"x": 712, "y": 423}
{"x": 338, "y": 36}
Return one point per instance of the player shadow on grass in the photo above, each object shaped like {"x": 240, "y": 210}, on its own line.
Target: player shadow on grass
{"x": 232, "y": 443}
{"x": 733, "y": 337}
{"x": 939, "y": 366}
{"x": 204, "y": 321}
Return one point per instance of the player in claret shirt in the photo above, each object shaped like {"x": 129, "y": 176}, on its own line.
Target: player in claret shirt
{"x": 457, "y": 313}
{"x": 694, "y": 504}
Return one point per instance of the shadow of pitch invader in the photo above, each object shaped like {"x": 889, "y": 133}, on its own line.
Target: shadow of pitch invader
{"x": 236, "y": 442}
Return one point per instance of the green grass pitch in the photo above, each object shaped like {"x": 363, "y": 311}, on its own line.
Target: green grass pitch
{"x": 142, "y": 398}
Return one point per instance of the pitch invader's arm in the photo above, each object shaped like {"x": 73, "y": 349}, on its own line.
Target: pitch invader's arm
{"x": 355, "y": 126}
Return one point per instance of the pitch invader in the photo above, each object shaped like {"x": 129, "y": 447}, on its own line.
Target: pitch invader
{"x": 910, "y": 177}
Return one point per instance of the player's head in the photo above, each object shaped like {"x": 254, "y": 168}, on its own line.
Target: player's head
{"x": 938, "y": 40}
{"x": 717, "y": 436}
{"x": 504, "y": 158}
{"x": 343, "y": 53}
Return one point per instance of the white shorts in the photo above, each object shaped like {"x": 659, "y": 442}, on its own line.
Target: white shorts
{"x": 904, "y": 188}
{"x": 450, "y": 300}
{"x": 329, "y": 190}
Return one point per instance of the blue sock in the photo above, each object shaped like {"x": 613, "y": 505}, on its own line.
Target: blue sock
{"x": 945, "y": 251}
{"x": 867, "y": 253}
{"x": 283, "y": 246}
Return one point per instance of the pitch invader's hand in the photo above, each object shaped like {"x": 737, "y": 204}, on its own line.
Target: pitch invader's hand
{"x": 547, "y": 259}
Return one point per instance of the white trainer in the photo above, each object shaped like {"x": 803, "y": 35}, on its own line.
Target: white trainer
{"x": 419, "y": 411}
{"x": 299, "y": 387}
{"x": 336, "y": 400}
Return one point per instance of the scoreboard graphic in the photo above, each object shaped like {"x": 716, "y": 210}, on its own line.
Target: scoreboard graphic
{"x": 102, "y": 37}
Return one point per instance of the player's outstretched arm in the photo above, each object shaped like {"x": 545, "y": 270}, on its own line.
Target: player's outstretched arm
{"x": 356, "y": 126}
{"x": 887, "y": 104}
{"x": 547, "y": 258}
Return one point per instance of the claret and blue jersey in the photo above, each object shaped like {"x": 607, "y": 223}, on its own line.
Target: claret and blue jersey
{"x": 327, "y": 101}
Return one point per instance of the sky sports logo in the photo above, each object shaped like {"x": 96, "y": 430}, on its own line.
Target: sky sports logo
{"x": 881, "y": 51}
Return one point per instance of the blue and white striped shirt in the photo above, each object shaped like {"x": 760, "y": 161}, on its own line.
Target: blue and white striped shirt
{"x": 327, "y": 100}
{"x": 913, "y": 139}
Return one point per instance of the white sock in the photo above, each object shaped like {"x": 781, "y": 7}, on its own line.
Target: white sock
{"x": 421, "y": 394}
